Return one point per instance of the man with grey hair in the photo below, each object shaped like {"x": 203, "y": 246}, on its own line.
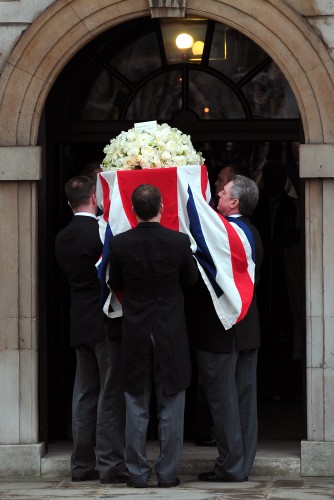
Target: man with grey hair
{"x": 227, "y": 359}
{"x": 238, "y": 197}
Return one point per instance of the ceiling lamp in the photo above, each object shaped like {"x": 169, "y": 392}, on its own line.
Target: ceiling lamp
{"x": 183, "y": 39}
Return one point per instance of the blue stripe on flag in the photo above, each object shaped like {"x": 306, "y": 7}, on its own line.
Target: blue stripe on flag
{"x": 246, "y": 230}
{"x": 101, "y": 269}
{"x": 203, "y": 254}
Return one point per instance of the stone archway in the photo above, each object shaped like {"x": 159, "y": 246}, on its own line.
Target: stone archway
{"x": 43, "y": 50}
{"x": 64, "y": 28}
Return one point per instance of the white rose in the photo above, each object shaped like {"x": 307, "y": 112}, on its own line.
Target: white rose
{"x": 171, "y": 146}
{"x": 166, "y": 156}
{"x": 180, "y": 161}
{"x": 147, "y": 151}
{"x": 143, "y": 139}
{"x": 131, "y": 136}
{"x": 133, "y": 150}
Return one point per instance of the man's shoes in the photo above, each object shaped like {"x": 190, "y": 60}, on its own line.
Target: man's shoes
{"x": 118, "y": 478}
{"x": 133, "y": 484}
{"x": 172, "y": 484}
{"x": 88, "y": 476}
{"x": 212, "y": 477}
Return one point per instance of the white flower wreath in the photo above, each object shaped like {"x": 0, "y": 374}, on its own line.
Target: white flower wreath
{"x": 157, "y": 146}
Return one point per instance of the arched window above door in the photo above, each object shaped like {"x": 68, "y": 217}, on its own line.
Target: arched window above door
{"x": 130, "y": 75}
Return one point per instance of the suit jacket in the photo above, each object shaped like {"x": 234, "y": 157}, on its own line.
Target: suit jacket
{"x": 205, "y": 329}
{"x": 78, "y": 248}
{"x": 152, "y": 263}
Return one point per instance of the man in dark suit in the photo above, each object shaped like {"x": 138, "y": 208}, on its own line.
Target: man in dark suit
{"x": 227, "y": 359}
{"x": 151, "y": 264}
{"x": 198, "y": 410}
{"x": 98, "y": 407}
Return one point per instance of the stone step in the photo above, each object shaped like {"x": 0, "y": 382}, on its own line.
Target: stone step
{"x": 273, "y": 458}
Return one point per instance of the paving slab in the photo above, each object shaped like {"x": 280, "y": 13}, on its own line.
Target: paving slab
{"x": 262, "y": 488}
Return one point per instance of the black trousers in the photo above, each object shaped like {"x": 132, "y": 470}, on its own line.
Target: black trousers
{"x": 98, "y": 410}
{"x": 230, "y": 385}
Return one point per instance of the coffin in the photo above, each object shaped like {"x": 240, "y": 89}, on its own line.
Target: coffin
{"x": 221, "y": 248}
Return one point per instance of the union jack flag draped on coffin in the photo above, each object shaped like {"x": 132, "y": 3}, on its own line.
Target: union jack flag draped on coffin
{"x": 224, "y": 249}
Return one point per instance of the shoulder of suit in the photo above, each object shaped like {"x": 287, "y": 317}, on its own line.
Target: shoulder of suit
{"x": 174, "y": 232}
{"x": 84, "y": 218}
{"x": 121, "y": 236}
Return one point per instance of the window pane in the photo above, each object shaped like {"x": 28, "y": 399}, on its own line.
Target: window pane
{"x": 212, "y": 99}
{"x": 234, "y": 54}
{"x": 270, "y": 96}
{"x": 159, "y": 99}
{"x": 105, "y": 100}
{"x": 134, "y": 52}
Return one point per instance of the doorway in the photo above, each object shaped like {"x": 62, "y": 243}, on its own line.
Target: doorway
{"x": 236, "y": 105}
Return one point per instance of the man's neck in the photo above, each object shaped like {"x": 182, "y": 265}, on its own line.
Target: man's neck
{"x": 157, "y": 218}
{"x": 88, "y": 209}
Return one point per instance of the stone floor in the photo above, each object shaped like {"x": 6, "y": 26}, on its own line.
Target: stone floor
{"x": 269, "y": 488}
{"x": 275, "y": 474}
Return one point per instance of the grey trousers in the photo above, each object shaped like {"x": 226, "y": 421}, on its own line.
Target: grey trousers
{"x": 170, "y": 410}
{"x": 230, "y": 385}
{"x": 98, "y": 410}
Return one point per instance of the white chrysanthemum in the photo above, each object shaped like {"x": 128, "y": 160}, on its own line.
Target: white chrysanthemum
{"x": 164, "y": 147}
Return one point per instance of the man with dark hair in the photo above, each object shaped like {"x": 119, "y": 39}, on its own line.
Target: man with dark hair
{"x": 226, "y": 174}
{"x": 91, "y": 170}
{"x": 98, "y": 407}
{"x": 146, "y": 202}
{"x": 151, "y": 264}
{"x": 227, "y": 359}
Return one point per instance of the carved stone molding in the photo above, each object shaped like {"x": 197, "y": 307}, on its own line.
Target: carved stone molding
{"x": 168, "y": 8}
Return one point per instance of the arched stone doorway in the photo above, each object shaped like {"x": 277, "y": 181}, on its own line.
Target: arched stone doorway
{"x": 25, "y": 83}
{"x": 236, "y": 105}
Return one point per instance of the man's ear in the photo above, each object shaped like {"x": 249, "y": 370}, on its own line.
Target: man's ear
{"x": 72, "y": 209}
{"x": 161, "y": 209}
{"x": 234, "y": 203}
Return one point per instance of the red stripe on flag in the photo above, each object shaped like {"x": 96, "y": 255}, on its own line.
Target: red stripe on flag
{"x": 165, "y": 179}
{"x": 204, "y": 180}
{"x": 241, "y": 277}
{"x": 106, "y": 198}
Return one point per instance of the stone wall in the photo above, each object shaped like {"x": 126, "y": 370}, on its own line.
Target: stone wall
{"x": 15, "y": 17}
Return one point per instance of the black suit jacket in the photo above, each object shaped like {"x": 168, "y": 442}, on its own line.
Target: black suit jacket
{"x": 78, "y": 248}
{"x": 206, "y": 330}
{"x": 152, "y": 263}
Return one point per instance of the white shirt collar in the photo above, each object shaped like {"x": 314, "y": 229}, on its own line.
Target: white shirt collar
{"x": 86, "y": 214}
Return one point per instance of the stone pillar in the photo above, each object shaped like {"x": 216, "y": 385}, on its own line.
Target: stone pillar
{"x": 317, "y": 452}
{"x": 20, "y": 451}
